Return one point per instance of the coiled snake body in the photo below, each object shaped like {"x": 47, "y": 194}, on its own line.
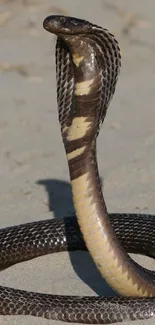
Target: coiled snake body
{"x": 88, "y": 64}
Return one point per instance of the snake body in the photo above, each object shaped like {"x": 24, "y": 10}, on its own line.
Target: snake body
{"x": 88, "y": 63}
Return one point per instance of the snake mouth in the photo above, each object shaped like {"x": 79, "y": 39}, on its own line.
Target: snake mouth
{"x": 64, "y": 25}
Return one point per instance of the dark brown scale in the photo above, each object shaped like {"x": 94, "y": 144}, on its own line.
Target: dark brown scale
{"x": 109, "y": 62}
{"x": 64, "y": 99}
{"x": 51, "y": 236}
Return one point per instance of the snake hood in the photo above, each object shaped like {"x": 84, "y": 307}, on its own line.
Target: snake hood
{"x": 84, "y": 54}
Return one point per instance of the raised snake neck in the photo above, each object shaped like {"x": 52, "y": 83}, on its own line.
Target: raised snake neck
{"x": 88, "y": 62}
{"x": 88, "y": 56}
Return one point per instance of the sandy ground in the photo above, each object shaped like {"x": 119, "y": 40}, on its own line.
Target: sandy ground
{"x": 34, "y": 179}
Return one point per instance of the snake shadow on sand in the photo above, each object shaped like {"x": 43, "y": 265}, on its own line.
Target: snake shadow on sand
{"x": 60, "y": 191}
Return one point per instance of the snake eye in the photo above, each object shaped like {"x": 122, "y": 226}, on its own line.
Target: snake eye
{"x": 63, "y": 19}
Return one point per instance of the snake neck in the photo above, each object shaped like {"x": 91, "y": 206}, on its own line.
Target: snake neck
{"x": 86, "y": 188}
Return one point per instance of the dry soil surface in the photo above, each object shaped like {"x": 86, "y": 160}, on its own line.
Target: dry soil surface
{"x": 34, "y": 179}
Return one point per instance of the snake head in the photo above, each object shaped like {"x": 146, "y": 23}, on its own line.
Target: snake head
{"x": 63, "y": 25}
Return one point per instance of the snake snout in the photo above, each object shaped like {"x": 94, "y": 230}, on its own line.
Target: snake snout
{"x": 54, "y": 24}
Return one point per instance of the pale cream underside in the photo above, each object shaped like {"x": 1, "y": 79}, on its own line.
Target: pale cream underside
{"x": 75, "y": 153}
{"x": 83, "y": 87}
{"x": 77, "y": 59}
{"x": 98, "y": 243}
{"x": 78, "y": 128}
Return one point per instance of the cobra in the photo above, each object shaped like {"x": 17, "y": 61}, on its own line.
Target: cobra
{"x": 87, "y": 65}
